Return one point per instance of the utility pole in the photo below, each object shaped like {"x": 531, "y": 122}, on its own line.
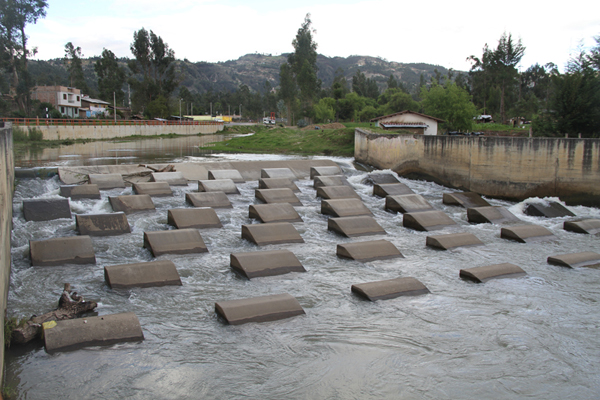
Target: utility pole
{"x": 240, "y": 113}
{"x": 115, "y": 105}
{"x": 180, "y": 111}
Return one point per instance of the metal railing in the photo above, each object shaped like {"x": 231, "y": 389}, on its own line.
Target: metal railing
{"x": 99, "y": 122}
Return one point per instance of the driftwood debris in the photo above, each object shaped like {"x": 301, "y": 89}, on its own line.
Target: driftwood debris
{"x": 70, "y": 305}
{"x": 168, "y": 168}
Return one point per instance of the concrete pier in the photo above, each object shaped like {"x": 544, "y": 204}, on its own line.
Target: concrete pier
{"x": 271, "y": 196}
{"x": 145, "y": 274}
{"x": 226, "y": 186}
{"x": 391, "y": 189}
{"x": 278, "y": 173}
{"x": 132, "y": 203}
{"x": 324, "y": 171}
{"x": 46, "y": 209}
{"x": 368, "y": 251}
{"x": 427, "y": 220}
{"x": 259, "y": 309}
{"x": 344, "y": 208}
{"x": 332, "y": 180}
{"x": 526, "y": 233}
{"x": 337, "y": 192}
{"x": 197, "y": 218}
{"x": 277, "y": 183}
{"x": 208, "y": 199}
{"x": 60, "y": 251}
{"x": 588, "y": 226}
{"x": 106, "y": 181}
{"x": 156, "y": 189}
{"x": 465, "y": 199}
{"x": 484, "y": 274}
{"x": 452, "y": 241}
{"x": 588, "y": 259}
{"x": 491, "y": 215}
{"x": 407, "y": 203}
{"x": 265, "y": 263}
{"x": 179, "y": 241}
{"x": 362, "y": 225}
{"x": 102, "y": 224}
{"x": 275, "y": 233}
{"x": 171, "y": 178}
{"x": 276, "y": 212}
{"x": 76, "y": 192}
{"x": 390, "y": 289}
{"x": 233, "y": 174}
{"x": 381, "y": 178}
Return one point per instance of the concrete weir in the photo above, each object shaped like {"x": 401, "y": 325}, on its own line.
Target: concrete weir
{"x": 156, "y": 189}
{"x": 588, "y": 259}
{"x": 271, "y": 196}
{"x": 64, "y": 250}
{"x": 277, "y": 183}
{"x": 233, "y": 174}
{"x": 407, "y": 203}
{"x": 275, "y": 233}
{"x": 265, "y": 263}
{"x": 171, "y": 178}
{"x": 76, "y": 192}
{"x": 337, "y": 192}
{"x": 427, "y": 220}
{"x": 550, "y": 210}
{"x": 390, "y": 289}
{"x": 452, "y": 241}
{"x": 46, "y": 209}
{"x": 106, "y": 181}
{"x": 102, "y": 224}
{"x": 324, "y": 171}
{"x": 226, "y": 186}
{"x": 526, "y": 233}
{"x": 484, "y": 274}
{"x": 344, "y": 208}
{"x": 276, "y": 212}
{"x": 197, "y": 218}
{"x": 208, "y": 199}
{"x": 391, "y": 189}
{"x": 278, "y": 173}
{"x": 72, "y": 334}
{"x": 465, "y": 199}
{"x": 491, "y": 215}
{"x": 362, "y": 225}
{"x": 179, "y": 241}
{"x": 330, "y": 180}
{"x": 589, "y": 226}
{"x": 371, "y": 250}
{"x": 145, "y": 274}
{"x": 259, "y": 309}
{"x": 132, "y": 203}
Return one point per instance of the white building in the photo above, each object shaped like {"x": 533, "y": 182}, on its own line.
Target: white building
{"x": 411, "y": 121}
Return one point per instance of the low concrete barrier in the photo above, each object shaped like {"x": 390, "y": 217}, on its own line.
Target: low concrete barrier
{"x": 156, "y": 189}
{"x": 491, "y": 215}
{"x": 259, "y": 309}
{"x": 331, "y": 180}
{"x": 265, "y": 263}
{"x": 465, "y": 199}
{"x": 278, "y": 173}
{"x": 145, "y": 274}
{"x": 226, "y": 186}
{"x": 526, "y": 233}
{"x": 46, "y": 209}
{"x": 484, "y": 274}
{"x": 369, "y": 251}
{"x": 362, "y": 225}
{"x": 208, "y": 199}
{"x": 574, "y": 260}
{"x": 550, "y": 210}
{"x": 107, "y": 181}
{"x": 589, "y": 226}
{"x": 132, "y": 203}
{"x": 390, "y": 289}
{"x": 427, "y": 220}
{"x": 197, "y": 218}
{"x": 452, "y": 241}
{"x": 233, "y": 174}
{"x": 172, "y": 178}
{"x": 271, "y": 196}
{"x": 381, "y": 178}
{"x": 407, "y": 203}
{"x": 59, "y": 251}
{"x": 102, "y": 224}
{"x": 391, "y": 189}
{"x": 275, "y": 233}
{"x": 276, "y": 212}
{"x": 77, "y": 192}
{"x": 344, "y": 208}
{"x": 277, "y": 183}
{"x": 337, "y": 192}
{"x": 324, "y": 171}
{"x": 180, "y": 241}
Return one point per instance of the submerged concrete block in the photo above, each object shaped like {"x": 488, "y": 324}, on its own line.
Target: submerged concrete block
{"x": 330, "y": 180}
{"x": 391, "y": 189}
{"x": 102, "y": 224}
{"x": 226, "y": 186}
{"x": 59, "y": 251}
{"x": 574, "y": 260}
{"x": 259, "y": 309}
{"x": 381, "y": 177}
{"x": 158, "y": 189}
{"x": 107, "y": 181}
{"x": 265, "y": 263}
{"x": 362, "y": 225}
{"x": 453, "y": 240}
{"x": 427, "y": 220}
{"x": 484, "y": 274}
{"x": 344, "y": 208}
{"x": 145, "y": 274}
{"x": 526, "y": 233}
{"x": 208, "y": 199}
{"x": 277, "y": 183}
{"x": 89, "y": 191}
{"x": 270, "y": 196}
{"x": 276, "y": 212}
{"x": 275, "y": 233}
{"x": 337, "y": 192}
{"x": 324, "y": 171}
{"x": 491, "y": 214}
{"x": 465, "y": 199}
{"x": 550, "y": 210}
{"x": 179, "y": 241}
{"x": 369, "y": 251}
{"x": 46, "y": 209}
{"x": 172, "y": 178}
{"x": 132, "y": 203}
{"x": 278, "y": 173}
{"x": 407, "y": 203}
{"x": 72, "y": 334}
{"x": 589, "y": 226}
{"x": 233, "y": 174}
{"x": 389, "y": 289}
{"x": 198, "y": 218}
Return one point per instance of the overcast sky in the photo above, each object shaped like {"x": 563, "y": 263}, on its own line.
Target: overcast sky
{"x": 437, "y": 32}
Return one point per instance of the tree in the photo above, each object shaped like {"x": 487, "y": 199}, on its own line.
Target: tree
{"x": 287, "y": 91}
{"x": 451, "y": 103}
{"x": 364, "y": 86}
{"x": 325, "y": 110}
{"x": 111, "y": 77}
{"x": 392, "y": 83}
{"x": 74, "y": 66}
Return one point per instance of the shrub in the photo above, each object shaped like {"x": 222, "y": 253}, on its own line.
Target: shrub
{"x": 302, "y": 123}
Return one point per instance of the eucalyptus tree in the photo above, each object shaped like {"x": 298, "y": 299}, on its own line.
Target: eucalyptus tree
{"x": 111, "y": 77}
{"x": 74, "y": 66}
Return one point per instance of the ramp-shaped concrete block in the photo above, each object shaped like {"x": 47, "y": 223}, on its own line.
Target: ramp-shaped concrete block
{"x": 72, "y": 334}
{"x": 330, "y": 180}
{"x": 171, "y": 178}
{"x": 589, "y": 226}
{"x": 574, "y": 260}
{"x": 145, "y": 274}
{"x": 491, "y": 214}
{"x": 106, "y": 181}
{"x": 452, "y": 241}
{"x": 265, "y": 263}
{"x": 276, "y": 212}
{"x": 344, "y": 208}
{"x": 390, "y": 289}
{"x": 102, "y": 224}
{"x": 277, "y": 183}
{"x": 465, "y": 199}
{"x": 407, "y": 203}
{"x": 208, "y": 199}
{"x": 278, "y": 173}
{"x": 157, "y": 189}
{"x": 179, "y": 241}
{"x": 275, "y": 233}
{"x": 233, "y": 174}
{"x": 198, "y": 218}
{"x": 369, "y": 251}
{"x": 550, "y": 210}
{"x": 427, "y": 220}
{"x": 226, "y": 186}
{"x": 362, "y": 225}
{"x": 46, "y": 209}
{"x": 59, "y": 251}
{"x": 382, "y": 177}
{"x": 131, "y": 203}
{"x": 259, "y": 309}
{"x": 391, "y": 189}
{"x": 80, "y": 191}
{"x": 526, "y": 233}
{"x": 324, "y": 171}
{"x": 271, "y": 196}
{"x": 484, "y": 274}
{"x": 337, "y": 192}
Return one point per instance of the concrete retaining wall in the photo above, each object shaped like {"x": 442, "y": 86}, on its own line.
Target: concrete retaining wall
{"x": 502, "y": 167}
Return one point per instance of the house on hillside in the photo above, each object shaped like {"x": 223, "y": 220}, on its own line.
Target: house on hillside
{"x": 65, "y": 99}
{"x": 94, "y": 107}
{"x": 415, "y": 122}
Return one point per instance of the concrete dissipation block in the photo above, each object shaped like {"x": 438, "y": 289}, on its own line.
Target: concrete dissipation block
{"x": 276, "y": 212}
{"x": 259, "y": 309}
{"x": 344, "y": 208}
{"x": 491, "y": 214}
{"x": 275, "y": 233}
{"x": 46, "y": 209}
{"x": 465, "y": 199}
{"x": 102, "y": 224}
{"x": 226, "y": 186}
{"x": 271, "y": 196}
{"x": 484, "y": 274}
{"x": 172, "y": 178}
{"x": 265, "y": 263}
{"x": 277, "y": 183}
{"x": 407, "y": 203}
{"x": 362, "y": 225}
{"x": 278, "y": 173}
{"x": 233, "y": 174}
{"x": 550, "y": 210}
{"x": 452, "y": 241}
{"x": 574, "y": 260}
{"x": 324, "y": 171}
{"x": 179, "y": 241}
{"x": 391, "y": 189}
{"x": 145, "y": 274}
{"x": 389, "y": 289}
{"x": 107, "y": 181}
{"x": 132, "y": 203}
{"x": 382, "y": 177}
{"x": 589, "y": 226}
{"x": 208, "y": 199}
{"x": 337, "y": 192}
{"x": 427, "y": 220}
{"x": 526, "y": 233}
{"x": 72, "y": 334}
{"x": 59, "y": 251}
{"x": 330, "y": 180}
{"x": 77, "y": 192}
{"x": 198, "y": 218}
{"x": 369, "y": 251}
{"x": 157, "y": 189}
